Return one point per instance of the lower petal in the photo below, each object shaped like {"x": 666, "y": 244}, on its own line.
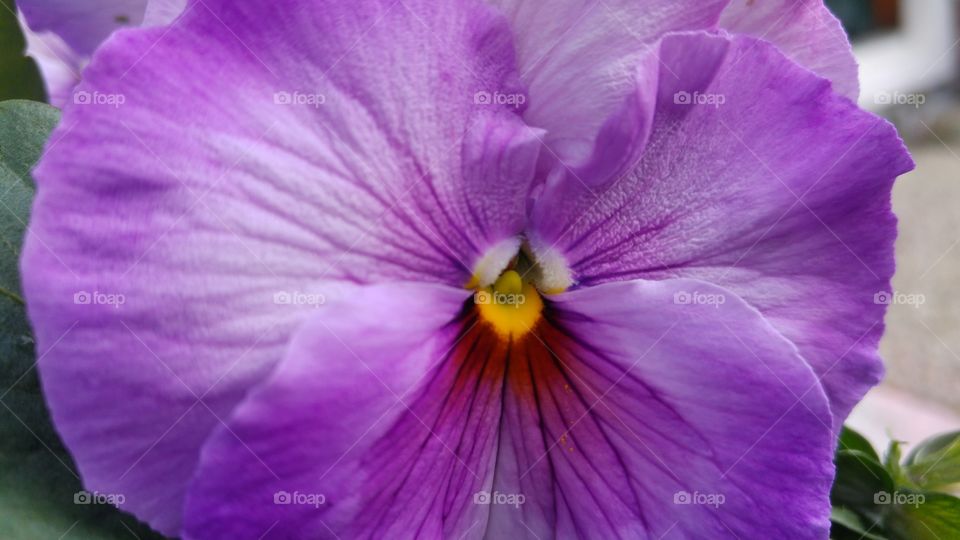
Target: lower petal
{"x": 364, "y": 431}
{"x": 634, "y": 416}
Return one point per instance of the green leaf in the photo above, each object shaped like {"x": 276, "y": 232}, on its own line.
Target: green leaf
{"x": 38, "y": 481}
{"x": 935, "y": 462}
{"x": 24, "y": 127}
{"x": 21, "y": 77}
{"x": 846, "y": 524}
{"x": 927, "y": 516}
{"x": 851, "y": 440}
{"x": 860, "y": 480}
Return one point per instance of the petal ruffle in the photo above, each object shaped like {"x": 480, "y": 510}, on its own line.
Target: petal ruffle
{"x": 161, "y": 12}
{"x": 85, "y": 24}
{"x": 756, "y": 177}
{"x": 369, "y": 429}
{"x": 591, "y": 66}
{"x": 805, "y": 31}
{"x": 59, "y": 64}
{"x": 581, "y": 60}
{"x": 215, "y": 190}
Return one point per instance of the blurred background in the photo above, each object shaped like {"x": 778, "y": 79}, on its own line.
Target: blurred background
{"x": 909, "y": 54}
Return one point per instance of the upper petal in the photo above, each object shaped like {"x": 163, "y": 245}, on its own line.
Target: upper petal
{"x": 580, "y": 60}
{"x": 592, "y": 67}
{"x": 757, "y": 177}
{"x": 216, "y": 189}
{"x": 805, "y": 31}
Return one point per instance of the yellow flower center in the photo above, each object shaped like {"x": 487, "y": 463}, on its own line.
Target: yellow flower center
{"x": 511, "y": 306}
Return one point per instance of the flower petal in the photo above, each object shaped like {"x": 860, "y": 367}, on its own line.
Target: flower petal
{"x": 198, "y": 199}
{"x": 367, "y": 415}
{"x": 640, "y": 417}
{"x": 805, "y": 31}
{"x": 83, "y": 25}
{"x": 759, "y": 178}
{"x": 580, "y": 59}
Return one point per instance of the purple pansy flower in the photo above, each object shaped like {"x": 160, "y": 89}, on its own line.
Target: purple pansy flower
{"x": 247, "y": 280}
